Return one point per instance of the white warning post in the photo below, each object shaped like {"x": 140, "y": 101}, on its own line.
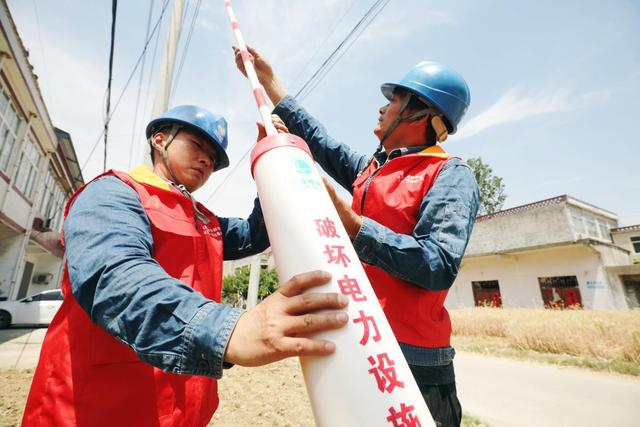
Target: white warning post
{"x": 367, "y": 381}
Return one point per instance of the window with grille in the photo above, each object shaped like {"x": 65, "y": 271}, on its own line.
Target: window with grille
{"x": 25, "y": 177}
{"x": 589, "y": 225}
{"x": 635, "y": 242}
{"x": 560, "y": 292}
{"x": 9, "y": 125}
{"x": 52, "y": 200}
{"x": 486, "y": 293}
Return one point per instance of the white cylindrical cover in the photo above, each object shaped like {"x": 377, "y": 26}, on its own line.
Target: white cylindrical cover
{"x": 367, "y": 381}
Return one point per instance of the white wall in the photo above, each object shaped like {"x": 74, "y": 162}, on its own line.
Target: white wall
{"x": 518, "y": 277}
{"x": 229, "y": 267}
{"x": 10, "y": 246}
{"x": 3, "y": 188}
{"x": 16, "y": 208}
{"x": 535, "y": 227}
{"x": 622, "y": 239}
{"x": 45, "y": 263}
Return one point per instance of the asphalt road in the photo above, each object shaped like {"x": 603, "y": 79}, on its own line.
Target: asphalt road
{"x": 509, "y": 393}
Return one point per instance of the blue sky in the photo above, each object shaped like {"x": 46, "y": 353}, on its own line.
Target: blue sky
{"x": 555, "y": 86}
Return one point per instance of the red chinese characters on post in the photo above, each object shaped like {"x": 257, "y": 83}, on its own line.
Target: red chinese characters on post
{"x": 349, "y": 287}
{"x": 326, "y": 228}
{"x": 366, "y": 320}
{"x": 385, "y": 373}
{"x": 404, "y": 417}
{"x": 336, "y": 255}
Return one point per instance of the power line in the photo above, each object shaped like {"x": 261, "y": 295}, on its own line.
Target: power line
{"x": 144, "y": 50}
{"x": 147, "y": 103}
{"x": 322, "y": 71}
{"x": 114, "y": 9}
{"x": 42, "y": 48}
{"x": 231, "y": 171}
{"x": 135, "y": 114}
{"x": 341, "y": 49}
{"x": 185, "y": 47}
{"x": 329, "y": 34}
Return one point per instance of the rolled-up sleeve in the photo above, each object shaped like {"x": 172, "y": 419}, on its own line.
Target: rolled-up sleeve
{"x": 126, "y": 292}
{"x": 430, "y": 256}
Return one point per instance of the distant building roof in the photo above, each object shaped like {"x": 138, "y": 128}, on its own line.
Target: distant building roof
{"x": 548, "y": 202}
{"x": 518, "y": 209}
{"x": 70, "y": 157}
{"x": 626, "y": 228}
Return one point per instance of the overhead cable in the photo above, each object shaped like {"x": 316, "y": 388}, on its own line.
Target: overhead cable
{"x": 135, "y": 114}
{"x": 329, "y": 34}
{"x": 114, "y": 9}
{"x": 185, "y": 47}
{"x": 144, "y": 50}
{"x": 322, "y": 71}
{"x": 341, "y": 49}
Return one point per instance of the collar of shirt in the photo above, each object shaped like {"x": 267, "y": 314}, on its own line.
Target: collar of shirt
{"x": 144, "y": 175}
{"x": 432, "y": 150}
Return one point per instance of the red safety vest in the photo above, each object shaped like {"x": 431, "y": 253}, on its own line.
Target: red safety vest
{"x": 392, "y": 197}
{"x": 86, "y": 377}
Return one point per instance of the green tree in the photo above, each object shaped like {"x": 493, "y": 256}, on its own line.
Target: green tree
{"x": 491, "y": 187}
{"x": 236, "y": 286}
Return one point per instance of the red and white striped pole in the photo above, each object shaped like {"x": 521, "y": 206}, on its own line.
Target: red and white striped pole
{"x": 258, "y": 90}
{"x": 367, "y": 381}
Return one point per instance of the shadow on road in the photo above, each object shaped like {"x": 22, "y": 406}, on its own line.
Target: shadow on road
{"x": 13, "y": 333}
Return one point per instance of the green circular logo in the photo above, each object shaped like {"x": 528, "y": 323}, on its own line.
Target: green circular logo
{"x": 302, "y": 167}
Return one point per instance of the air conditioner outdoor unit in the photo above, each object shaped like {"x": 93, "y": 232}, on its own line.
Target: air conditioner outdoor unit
{"x": 42, "y": 278}
{"x": 42, "y": 224}
{"x": 46, "y": 224}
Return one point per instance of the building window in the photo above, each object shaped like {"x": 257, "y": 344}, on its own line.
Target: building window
{"x": 27, "y": 168}
{"x": 9, "y": 125}
{"x": 560, "y": 292}
{"x": 487, "y": 293}
{"x": 592, "y": 226}
{"x": 588, "y": 225}
{"x": 635, "y": 242}
{"x": 578, "y": 224}
{"x": 51, "y": 202}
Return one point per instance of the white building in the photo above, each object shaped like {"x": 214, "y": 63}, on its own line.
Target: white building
{"x": 556, "y": 252}
{"x": 264, "y": 260}
{"x": 38, "y": 172}
{"x": 629, "y": 239}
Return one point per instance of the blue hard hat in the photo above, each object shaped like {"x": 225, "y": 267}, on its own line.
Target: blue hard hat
{"x": 207, "y": 125}
{"x": 439, "y": 86}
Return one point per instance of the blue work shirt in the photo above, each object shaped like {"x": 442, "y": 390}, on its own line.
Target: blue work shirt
{"x": 125, "y": 291}
{"x": 430, "y": 256}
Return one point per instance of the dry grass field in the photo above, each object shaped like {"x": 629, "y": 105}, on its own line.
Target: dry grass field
{"x": 603, "y": 340}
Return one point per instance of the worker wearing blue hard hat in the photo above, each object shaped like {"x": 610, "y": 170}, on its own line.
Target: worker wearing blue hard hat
{"x": 141, "y": 337}
{"x": 412, "y": 212}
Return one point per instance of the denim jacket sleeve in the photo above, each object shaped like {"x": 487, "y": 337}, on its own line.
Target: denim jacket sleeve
{"x": 337, "y": 159}
{"x": 430, "y": 256}
{"x": 126, "y": 292}
{"x": 244, "y": 237}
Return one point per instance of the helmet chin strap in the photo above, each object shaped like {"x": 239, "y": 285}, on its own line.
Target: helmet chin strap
{"x": 165, "y": 154}
{"x": 435, "y": 114}
{"x": 175, "y": 128}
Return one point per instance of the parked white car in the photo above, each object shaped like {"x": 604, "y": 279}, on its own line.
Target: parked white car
{"x": 37, "y": 309}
